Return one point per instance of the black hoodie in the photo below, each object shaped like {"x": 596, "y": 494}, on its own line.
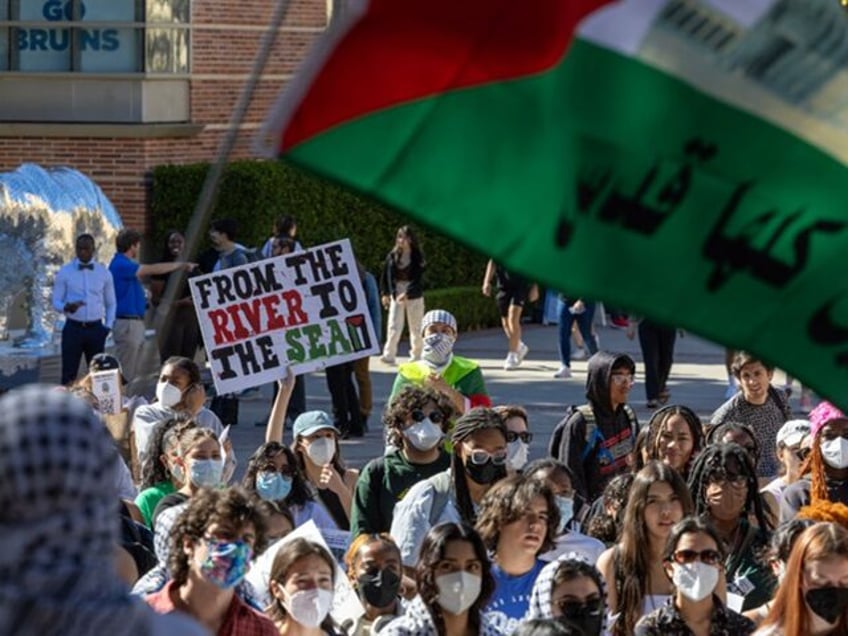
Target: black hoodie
{"x": 607, "y": 455}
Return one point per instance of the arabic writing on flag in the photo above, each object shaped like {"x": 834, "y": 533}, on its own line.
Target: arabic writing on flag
{"x": 684, "y": 159}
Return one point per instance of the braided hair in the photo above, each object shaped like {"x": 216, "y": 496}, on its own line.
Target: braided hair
{"x": 715, "y": 458}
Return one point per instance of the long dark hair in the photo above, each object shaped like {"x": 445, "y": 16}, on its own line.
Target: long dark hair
{"x": 432, "y": 552}
{"x": 164, "y": 437}
{"x": 715, "y": 457}
{"x": 300, "y": 492}
{"x": 416, "y": 255}
{"x": 633, "y": 555}
{"x": 657, "y": 423}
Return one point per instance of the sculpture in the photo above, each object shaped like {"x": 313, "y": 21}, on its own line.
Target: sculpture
{"x": 42, "y": 211}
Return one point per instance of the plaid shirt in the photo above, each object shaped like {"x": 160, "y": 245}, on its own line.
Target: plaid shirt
{"x": 240, "y": 619}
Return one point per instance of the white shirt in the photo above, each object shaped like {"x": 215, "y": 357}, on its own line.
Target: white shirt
{"x": 93, "y": 286}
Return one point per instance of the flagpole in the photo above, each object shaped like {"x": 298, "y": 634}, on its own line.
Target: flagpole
{"x": 205, "y": 201}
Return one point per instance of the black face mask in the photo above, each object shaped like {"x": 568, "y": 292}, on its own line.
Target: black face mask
{"x": 487, "y": 473}
{"x": 380, "y": 589}
{"x": 588, "y": 617}
{"x": 828, "y": 602}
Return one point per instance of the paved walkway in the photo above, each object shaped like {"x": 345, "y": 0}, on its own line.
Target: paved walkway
{"x": 698, "y": 380}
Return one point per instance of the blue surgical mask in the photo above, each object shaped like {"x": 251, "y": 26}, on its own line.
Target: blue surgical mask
{"x": 566, "y": 510}
{"x": 206, "y": 473}
{"x": 272, "y": 486}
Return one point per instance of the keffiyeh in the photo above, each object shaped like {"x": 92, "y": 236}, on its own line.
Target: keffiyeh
{"x": 59, "y": 520}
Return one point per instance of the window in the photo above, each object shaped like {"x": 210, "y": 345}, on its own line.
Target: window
{"x": 95, "y": 36}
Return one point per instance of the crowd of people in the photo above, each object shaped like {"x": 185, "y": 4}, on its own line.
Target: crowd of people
{"x": 734, "y": 526}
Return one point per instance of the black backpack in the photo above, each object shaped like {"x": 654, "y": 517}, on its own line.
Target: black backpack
{"x": 593, "y": 433}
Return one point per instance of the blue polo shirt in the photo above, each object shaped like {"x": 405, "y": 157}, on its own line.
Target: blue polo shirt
{"x": 129, "y": 294}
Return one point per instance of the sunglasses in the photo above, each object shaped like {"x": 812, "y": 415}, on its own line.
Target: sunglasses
{"x": 709, "y": 557}
{"x": 722, "y": 479}
{"x": 525, "y": 437}
{"x": 480, "y": 457}
{"x": 569, "y": 608}
{"x": 434, "y": 416}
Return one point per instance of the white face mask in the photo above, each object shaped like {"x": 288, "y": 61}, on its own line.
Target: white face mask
{"x": 458, "y": 591}
{"x": 321, "y": 450}
{"x": 516, "y": 454}
{"x": 423, "y": 435}
{"x": 835, "y": 452}
{"x": 696, "y": 581}
{"x": 309, "y": 607}
{"x": 167, "y": 394}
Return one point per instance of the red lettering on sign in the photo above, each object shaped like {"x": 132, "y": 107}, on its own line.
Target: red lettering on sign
{"x": 275, "y": 320}
{"x": 293, "y": 306}
{"x": 220, "y": 323}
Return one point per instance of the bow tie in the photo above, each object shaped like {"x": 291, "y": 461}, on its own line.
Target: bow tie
{"x": 86, "y": 266}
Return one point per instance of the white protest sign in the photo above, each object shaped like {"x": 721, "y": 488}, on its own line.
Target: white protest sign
{"x": 306, "y": 309}
{"x": 105, "y": 387}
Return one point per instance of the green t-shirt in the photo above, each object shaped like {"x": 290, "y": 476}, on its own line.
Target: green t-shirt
{"x": 149, "y": 497}
{"x": 382, "y": 483}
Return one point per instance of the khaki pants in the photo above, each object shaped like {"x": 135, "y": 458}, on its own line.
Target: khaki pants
{"x": 129, "y": 339}
{"x": 414, "y": 312}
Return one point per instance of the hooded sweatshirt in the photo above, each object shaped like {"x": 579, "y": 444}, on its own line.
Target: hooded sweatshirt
{"x": 594, "y": 462}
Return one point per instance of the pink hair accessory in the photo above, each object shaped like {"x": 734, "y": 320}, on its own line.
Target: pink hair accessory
{"x": 821, "y": 415}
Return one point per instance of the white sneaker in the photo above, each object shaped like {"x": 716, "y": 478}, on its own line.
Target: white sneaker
{"x": 511, "y": 362}
{"x": 563, "y": 372}
{"x": 578, "y": 354}
{"x": 523, "y": 350}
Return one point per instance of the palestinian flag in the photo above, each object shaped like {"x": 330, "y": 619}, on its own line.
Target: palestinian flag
{"x": 684, "y": 159}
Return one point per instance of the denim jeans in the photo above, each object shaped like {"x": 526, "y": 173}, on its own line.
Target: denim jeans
{"x": 584, "y": 324}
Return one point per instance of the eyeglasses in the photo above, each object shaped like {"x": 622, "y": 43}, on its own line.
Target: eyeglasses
{"x": 622, "y": 379}
{"x": 480, "y": 457}
{"x": 525, "y": 436}
{"x": 435, "y": 416}
{"x": 709, "y": 557}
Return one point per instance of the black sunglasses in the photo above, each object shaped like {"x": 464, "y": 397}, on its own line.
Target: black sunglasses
{"x": 525, "y": 437}
{"x": 435, "y": 416}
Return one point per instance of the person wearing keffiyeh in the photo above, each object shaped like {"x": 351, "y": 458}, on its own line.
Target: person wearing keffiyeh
{"x": 58, "y": 521}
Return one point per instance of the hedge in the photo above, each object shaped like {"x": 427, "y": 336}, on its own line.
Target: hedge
{"x": 256, "y": 192}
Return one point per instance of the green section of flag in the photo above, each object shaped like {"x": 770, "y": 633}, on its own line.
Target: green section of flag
{"x": 610, "y": 179}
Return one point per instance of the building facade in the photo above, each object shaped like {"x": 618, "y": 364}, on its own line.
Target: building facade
{"x": 116, "y": 87}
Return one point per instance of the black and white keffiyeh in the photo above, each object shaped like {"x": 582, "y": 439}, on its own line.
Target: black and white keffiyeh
{"x": 59, "y": 521}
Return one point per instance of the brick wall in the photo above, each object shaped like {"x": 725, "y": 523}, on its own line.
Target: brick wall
{"x": 225, "y": 38}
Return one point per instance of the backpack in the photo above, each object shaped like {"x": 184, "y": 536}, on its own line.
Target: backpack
{"x": 593, "y": 433}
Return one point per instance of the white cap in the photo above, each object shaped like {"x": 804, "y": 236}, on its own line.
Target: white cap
{"x": 792, "y": 432}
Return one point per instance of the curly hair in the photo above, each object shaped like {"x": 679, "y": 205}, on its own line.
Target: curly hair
{"x": 289, "y": 554}
{"x": 299, "y": 494}
{"x": 507, "y": 501}
{"x": 209, "y": 506}
{"x": 656, "y": 427}
{"x": 409, "y": 399}
{"x": 432, "y": 552}
{"x": 164, "y": 438}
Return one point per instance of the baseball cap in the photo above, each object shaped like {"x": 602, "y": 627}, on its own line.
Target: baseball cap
{"x": 792, "y": 432}
{"x": 106, "y": 362}
{"x": 438, "y": 315}
{"x": 310, "y": 422}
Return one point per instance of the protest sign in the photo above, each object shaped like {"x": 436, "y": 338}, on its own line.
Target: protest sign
{"x": 307, "y": 310}
{"x": 104, "y": 385}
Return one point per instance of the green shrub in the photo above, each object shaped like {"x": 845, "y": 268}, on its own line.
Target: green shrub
{"x": 256, "y": 192}
{"x": 469, "y": 306}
